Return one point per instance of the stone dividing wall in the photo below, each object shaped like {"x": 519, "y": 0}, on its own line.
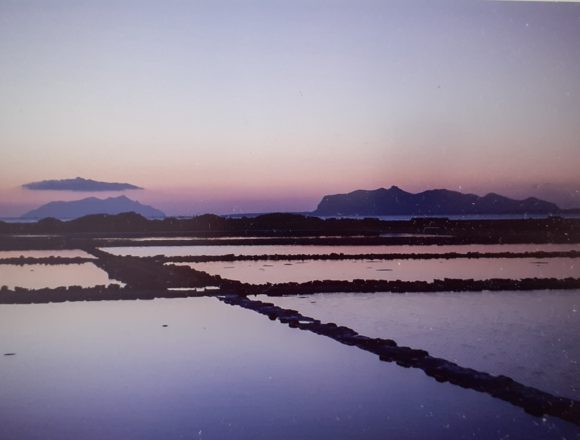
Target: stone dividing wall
{"x": 219, "y": 286}
{"x": 21, "y": 261}
{"x": 152, "y": 275}
{"x": 532, "y": 400}
{"x": 341, "y": 256}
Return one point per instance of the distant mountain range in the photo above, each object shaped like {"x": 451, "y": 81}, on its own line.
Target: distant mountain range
{"x": 380, "y": 202}
{"x": 395, "y": 201}
{"x": 92, "y": 205}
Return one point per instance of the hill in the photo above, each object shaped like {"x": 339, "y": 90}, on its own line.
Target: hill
{"x": 92, "y": 205}
{"x": 395, "y": 201}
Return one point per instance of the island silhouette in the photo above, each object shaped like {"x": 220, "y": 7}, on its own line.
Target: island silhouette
{"x": 92, "y": 205}
{"x": 395, "y": 201}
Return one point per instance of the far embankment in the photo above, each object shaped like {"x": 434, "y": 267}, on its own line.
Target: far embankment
{"x": 280, "y": 229}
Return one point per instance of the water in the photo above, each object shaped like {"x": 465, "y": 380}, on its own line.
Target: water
{"x": 260, "y": 272}
{"x": 173, "y": 238}
{"x": 110, "y": 370}
{"x": 64, "y": 253}
{"x": 524, "y": 216}
{"x": 181, "y": 251}
{"x": 183, "y": 238}
{"x": 38, "y": 276}
{"x": 529, "y": 336}
{"x": 261, "y": 237}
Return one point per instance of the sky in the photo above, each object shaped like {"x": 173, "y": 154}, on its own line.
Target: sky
{"x": 256, "y": 106}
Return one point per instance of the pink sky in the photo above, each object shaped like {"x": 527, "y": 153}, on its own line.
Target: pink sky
{"x": 261, "y": 108}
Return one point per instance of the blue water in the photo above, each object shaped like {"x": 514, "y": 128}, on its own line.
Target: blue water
{"x": 110, "y": 370}
{"x": 530, "y": 336}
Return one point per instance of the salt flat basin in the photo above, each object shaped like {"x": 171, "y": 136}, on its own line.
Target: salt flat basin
{"x": 182, "y": 251}
{"x": 38, "y": 276}
{"x": 170, "y": 238}
{"x": 530, "y": 336}
{"x": 260, "y": 272}
{"x": 262, "y": 237}
{"x": 64, "y": 253}
{"x": 110, "y": 370}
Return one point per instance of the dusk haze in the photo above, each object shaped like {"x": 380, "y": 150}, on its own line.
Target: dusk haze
{"x": 267, "y": 106}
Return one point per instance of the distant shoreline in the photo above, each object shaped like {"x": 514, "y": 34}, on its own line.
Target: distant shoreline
{"x": 290, "y": 229}
{"x": 566, "y": 214}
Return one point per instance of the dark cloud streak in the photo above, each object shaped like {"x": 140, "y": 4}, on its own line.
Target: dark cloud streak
{"x": 78, "y": 184}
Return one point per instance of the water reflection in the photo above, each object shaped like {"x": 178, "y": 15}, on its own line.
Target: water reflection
{"x": 181, "y": 251}
{"x": 529, "y": 336}
{"x": 261, "y": 237}
{"x": 259, "y": 272}
{"x": 196, "y": 368}
{"x": 38, "y": 276}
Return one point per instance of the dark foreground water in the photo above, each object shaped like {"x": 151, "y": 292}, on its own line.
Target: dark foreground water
{"x": 110, "y": 370}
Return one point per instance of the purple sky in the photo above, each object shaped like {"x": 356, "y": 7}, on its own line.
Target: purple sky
{"x": 244, "y": 106}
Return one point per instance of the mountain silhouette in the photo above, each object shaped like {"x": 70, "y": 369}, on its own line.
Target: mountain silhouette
{"x": 395, "y": 201}
{"x": 92, "y": 205}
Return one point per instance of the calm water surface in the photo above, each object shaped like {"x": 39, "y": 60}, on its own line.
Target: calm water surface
{"x": 210, "y": 238}
{"x": 173, "y": 238}
{"x": 260, "y": 272}
{"x": 532, "y": 337}
{"x": 109, "y": 370}
{"x": 38, "y": 276}
{"x": 181, "y": 251}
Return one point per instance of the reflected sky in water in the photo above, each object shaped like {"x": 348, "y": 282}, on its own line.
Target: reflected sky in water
{"x": 111, "y": 370}
{"x": 38, "y": 276}
{"x": 260, "y": 272}
{"x": 529, "y": 336}
{"x": 180, "y": 251}
{"x": 262, "y": 237}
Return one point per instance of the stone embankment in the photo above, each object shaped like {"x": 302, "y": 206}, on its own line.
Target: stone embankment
{"x": 532, "y": 400}
{"x": 367, "y": 256}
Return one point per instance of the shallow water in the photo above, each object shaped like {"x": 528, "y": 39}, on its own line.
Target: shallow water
{"x": 205, "y": 238}
{"x": 66, "y": 253}
{"x": 260, "y": 272}
{"x": 181, "y": 251}
{"x": 262, "y": 237}
{"x": 38, "y": 276}
{"x": 529, "y": 336}
{"x": 111, "y": 370}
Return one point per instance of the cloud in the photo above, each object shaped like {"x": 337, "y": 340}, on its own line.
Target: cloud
{"x": 78, "y": 184}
